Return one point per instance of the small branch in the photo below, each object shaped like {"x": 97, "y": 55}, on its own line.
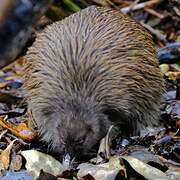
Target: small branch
{"x": 112, "y": 4}
{"x": 140, "y": 6}
{"x": 154, "y": 13}
{"x": 3, "y": 133}
{"x": 157, "y": 33}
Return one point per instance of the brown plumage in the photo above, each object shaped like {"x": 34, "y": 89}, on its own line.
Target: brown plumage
{"x": 95, "y": 68}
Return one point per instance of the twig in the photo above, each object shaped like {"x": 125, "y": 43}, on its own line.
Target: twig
{"x": 140, "y": 6}
{"x": 155, "y": 13}
{"x": 174, "y": 46}
{"x": 112, "y": 4}
{"x": 134, "y": 4}
{"x": 157, "y": 33}
{"x": 19, "y": 140}
{"x": 3, "y": 133}
{"x": 177, "y": 11}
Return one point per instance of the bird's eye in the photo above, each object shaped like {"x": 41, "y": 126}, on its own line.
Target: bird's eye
{"x": 80, "y": 140}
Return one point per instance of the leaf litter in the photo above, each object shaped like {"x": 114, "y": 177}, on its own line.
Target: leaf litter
{"x": 153, "y": 155}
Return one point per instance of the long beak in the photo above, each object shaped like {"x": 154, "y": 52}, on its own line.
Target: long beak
{"x": 67, "y": 162}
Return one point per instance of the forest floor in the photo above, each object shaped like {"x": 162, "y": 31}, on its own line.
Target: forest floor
{"x": 154, "y": 155}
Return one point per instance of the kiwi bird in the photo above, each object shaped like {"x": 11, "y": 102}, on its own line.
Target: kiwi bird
{"x": 95, "y": 68}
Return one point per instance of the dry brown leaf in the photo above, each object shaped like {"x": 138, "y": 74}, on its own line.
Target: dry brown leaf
{"x": 174, "y": 69}
{"x": 16, "y": 162}
{"x": 20, "y": 130}
{"x": 4, "y": 156}
{"x": 173, "y": 75}
{"x": 2, "y": 85}
{"x": 25, "y": 132}
{"x": 15, "y": 66}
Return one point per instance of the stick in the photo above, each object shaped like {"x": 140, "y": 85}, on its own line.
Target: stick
{"x": 140, "y": 6}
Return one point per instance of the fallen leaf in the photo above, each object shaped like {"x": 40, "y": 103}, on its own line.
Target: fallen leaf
{"x": 2, "y": 85}
{"x": 35, "y": 161}
{"x": 145, "y": 170}
{"x": 16, "y": 162}
{"x": 15, "y": 66}
{"x": 4, "y": 156}
{"x": 20, "y": 130}
{"x": 164, "y": 68}
{"x": 106, "y": 171}
{"x": 104, "y": 147}
{"x": 173, "y": 75}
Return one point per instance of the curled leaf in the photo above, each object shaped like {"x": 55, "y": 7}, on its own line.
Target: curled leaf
{"x": 5, "y": 156}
